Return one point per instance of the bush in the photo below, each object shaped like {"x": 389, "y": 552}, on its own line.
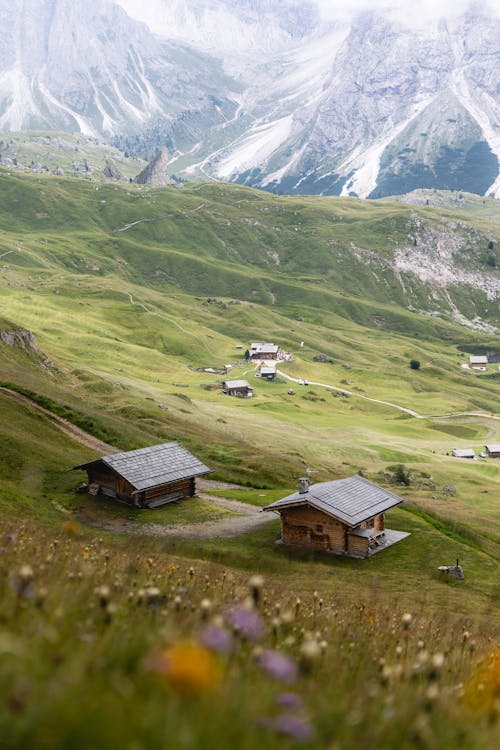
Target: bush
{"x": 415, "y": 364}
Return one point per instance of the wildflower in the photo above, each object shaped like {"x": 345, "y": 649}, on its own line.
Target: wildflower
{"x": 279, "y": 666}
{"x": 291, "y": 726}
{"x": 310, "y": 652}
{"x": 190, "y": 668}
{"x": 246, "y": 623}
{"x": 70, "y": 527}
{"x": 406, "y": 619}
{"x": 291, "y": 701}
{"x": 218, "y": 639}
{"x": 26, "y": 574}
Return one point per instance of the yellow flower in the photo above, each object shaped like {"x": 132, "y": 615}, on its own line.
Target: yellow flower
{"x": 482, "y": 691}
{"x": 191, "y": 668}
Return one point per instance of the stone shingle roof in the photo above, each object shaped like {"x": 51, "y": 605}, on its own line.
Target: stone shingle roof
{"x": 154, "y": 466}
{"x": 352, "y": 500}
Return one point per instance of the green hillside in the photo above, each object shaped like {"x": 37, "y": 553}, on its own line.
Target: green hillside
{"x": 131, "y": 296}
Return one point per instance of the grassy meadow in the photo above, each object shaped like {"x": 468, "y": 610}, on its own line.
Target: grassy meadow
{"x": 141, "y": 639}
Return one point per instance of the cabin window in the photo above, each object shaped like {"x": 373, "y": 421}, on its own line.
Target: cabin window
{"x": 319, "y": 527}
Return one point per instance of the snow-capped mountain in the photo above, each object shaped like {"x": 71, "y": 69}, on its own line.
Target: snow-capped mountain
{"x": 289, "y": 95}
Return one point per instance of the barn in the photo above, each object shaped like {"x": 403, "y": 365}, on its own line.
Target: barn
{"x": 343, "y": 517}
{"x": 493, "y": 450}
{"x": 145, "y": 478}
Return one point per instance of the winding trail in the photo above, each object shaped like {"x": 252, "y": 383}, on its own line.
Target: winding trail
{"x": 64, "y": 425}
{"x": 389, "y": 403}
{"x": 246, "y": 517}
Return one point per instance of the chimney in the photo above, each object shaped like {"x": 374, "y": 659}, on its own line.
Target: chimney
{"x": 303, "y": 485}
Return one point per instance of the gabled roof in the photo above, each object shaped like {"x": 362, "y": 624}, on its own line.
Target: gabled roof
{"x": 230, "y": 384}
{"x": 493, "y": 448}
{"x": 352, "y": 500}
{"x": 478, "y": 360}
{"x": 263, "y": 347}
{"x": 463, "y": 453}
{"x": 154, "y": 466}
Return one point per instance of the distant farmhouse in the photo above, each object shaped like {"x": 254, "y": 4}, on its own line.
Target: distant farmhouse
{"x": 463, "y": 453}
{"x": 241, "y": 388}
{"x": 344, "y": 517}
{"x": 477, "y": 362}
{"x": 145, "y": 478}
{"x": 263, "y": 350}
{"x": 493, "y": 450}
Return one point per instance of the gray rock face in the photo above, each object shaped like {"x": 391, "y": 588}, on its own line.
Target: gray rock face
{"x": 155, "y": 174}
{"x": 21, "y": 338}
{"x": 111, "y": 171}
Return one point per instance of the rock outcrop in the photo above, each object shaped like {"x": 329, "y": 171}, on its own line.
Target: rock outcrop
{"x": 19, "y": 337}
{"x": 111, "y": 171}
{"x": 155, "y": 174}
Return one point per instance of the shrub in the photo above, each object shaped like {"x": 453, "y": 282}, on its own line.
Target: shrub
{"x": 415, "y": 364}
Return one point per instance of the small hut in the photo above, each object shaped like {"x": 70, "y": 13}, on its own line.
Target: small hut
{"x": 343, "y": 517}
{"x": 268, "y": 372}
{"x": 478, "y": 362}
{"x": 493, "y": 450}
{"x": 463, "y": 453}
{"x": 240, "y": 388}
{"x": 145, "y": 478}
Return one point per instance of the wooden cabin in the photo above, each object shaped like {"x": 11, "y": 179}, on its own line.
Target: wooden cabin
{"x": 241, "y": 388}
{"x": 343, "y": 517}
{"x": 493, "y": 450}
{"x": 263, "y": 350}
{"x": 268, "y": 372}
{"x": 145, "y": 478}
{"x": 463, "y": 453}
{"x": 478, "y": 362}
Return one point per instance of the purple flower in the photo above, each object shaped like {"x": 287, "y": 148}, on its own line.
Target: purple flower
{"x": 292, "y": 726}
{"x": 246, "y": 623}
{"x": 291, "y": 701}
{"x": 277, "y": 665}
{"x": 217, "y": 639}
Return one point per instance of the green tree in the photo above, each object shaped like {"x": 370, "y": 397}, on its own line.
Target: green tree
{"x": 415, "y": 364}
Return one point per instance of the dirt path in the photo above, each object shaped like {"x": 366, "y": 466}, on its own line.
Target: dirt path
{"x": 247, "y": 517}
{"x": 391, "y": 405}
{"x": 225, "y": 527}
{"x": 67, "y": 427}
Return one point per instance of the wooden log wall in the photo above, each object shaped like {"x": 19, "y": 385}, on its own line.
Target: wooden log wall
{"x": 186, "y": 486}
{"x": 379, "y": 522}
{"x": 357, "y": 545}
{"x": 307, "y": 527}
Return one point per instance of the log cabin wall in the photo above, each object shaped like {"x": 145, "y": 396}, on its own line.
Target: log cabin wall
{"x": 379, "y": 522}
{"x": 186, "y": 486}
{"x": 357, "y": 545}
{"x": 115, "y": 485}
{"x": 307, "y": 527}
